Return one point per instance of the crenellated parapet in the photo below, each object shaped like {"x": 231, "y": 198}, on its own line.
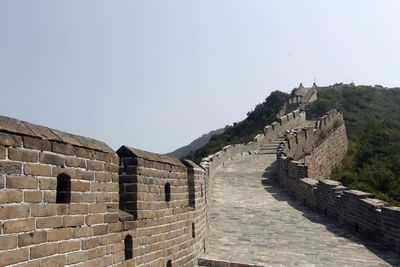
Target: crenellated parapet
{"x": 68, "y": 200}
{"x": 304, "y": 143}
{"x": 306, "y": 158}
{"x": 271, "y": 132}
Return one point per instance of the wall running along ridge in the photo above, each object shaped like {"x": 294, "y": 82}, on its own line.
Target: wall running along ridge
{"x": 307, "y": 156}
{"x": 64, "y": 203}
{"x": 276, "y": 129}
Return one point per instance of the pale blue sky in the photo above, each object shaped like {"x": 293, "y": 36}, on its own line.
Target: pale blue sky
{"x": 157, "y": 74}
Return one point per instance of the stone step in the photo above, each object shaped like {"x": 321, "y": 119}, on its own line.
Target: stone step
{"x": 267, "y": 152}
{"x": 268, "y": 149}
{"x": 221, "y": 263}
{"x": 269, "y": 146}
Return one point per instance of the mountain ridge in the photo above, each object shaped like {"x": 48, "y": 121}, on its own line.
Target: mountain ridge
{"x": 183, "y": 151}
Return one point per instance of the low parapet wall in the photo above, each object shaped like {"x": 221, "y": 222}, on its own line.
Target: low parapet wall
{"x": 315, "y": 143}
{"x": 357, "y": 210}
{"x": 315, "y": 158}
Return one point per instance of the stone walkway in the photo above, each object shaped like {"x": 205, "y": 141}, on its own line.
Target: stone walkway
{"x": 253, "y": 221}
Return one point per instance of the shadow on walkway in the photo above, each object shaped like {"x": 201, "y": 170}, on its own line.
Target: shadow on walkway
{"x": 270, "y": 182}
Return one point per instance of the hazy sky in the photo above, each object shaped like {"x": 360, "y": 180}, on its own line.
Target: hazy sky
{"x": 157, "y": 74}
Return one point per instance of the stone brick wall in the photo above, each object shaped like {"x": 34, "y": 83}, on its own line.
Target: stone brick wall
{"x": 165, "y": 200}
{"x": 357, "y": 210}
{"x": 360, "y": 212}
{"x": 44, "y": 224}
{"x": 271, "y": 132}
{"x": 63, "y": 203}
{"x": 315, "y": 143}
{"x": 327, "y": 155}
{"x": 303, "y": 179}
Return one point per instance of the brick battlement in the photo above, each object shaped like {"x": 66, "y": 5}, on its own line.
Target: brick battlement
{"x": 307, "y": 156}
{"x": 68, "y": 200}
{"x": 271, "y": 132}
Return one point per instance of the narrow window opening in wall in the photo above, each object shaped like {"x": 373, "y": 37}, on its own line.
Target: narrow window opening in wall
{"x": 356, "y": 228}
{"x": 193, "y": 231}
{"x": 167, "y": 189}
{"x": 326, "y": 212}
{"x": 201, "y": 188}
{"x": 204, "y": 246}
{"x": 169, "y": 263}
{"x": 128, "y": 247}
{"x": 63, "y": 194}
{"x": 192, "y": 190}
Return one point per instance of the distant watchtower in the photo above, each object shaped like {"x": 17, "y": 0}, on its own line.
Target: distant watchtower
{"x": 299, "y": 99}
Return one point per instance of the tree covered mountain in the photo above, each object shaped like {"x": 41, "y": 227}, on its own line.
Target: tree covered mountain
{"x": 372, "y": 117}
{"x": 244, "y": 131}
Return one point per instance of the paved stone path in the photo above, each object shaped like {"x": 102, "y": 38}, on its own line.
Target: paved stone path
{"x": 253, "y": 221}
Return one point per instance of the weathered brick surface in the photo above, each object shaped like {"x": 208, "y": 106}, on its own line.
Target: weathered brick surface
{"x": 95, "y": 165}
{"x": 68, "y": 246}
{"x": 96, "y": 253}
{"x": 90, "y": 230}
{"x": 75, "y": 220}
{"x": 12, "y": 212}
{"x": 18, "y": 226}
{"x": 43, "y": 250}
{"x": 82, "y": 232}
{"x": 36, "y": 143}
{"x": 55, "y": 171}
{"x": 76, "y": 257}
{"x": 3, "y": 152}
{"x": 80, "y": 186}
{"x": 57, "y": 261}
{"x": 47, "y": 183}
{"x": 10, "y": 140}
{"x": 21, "y": 182}
{"x": 10, "y": 167}
{"x": 75, "y": 162}
{"x": 103, "y": 176}
{"x": 62, "y": 148}
{"x": 38, "y": 210}
{"x": 49, "y": 222}
{"x": 94, "y": 219}
{"x": 10, "y": 196}
{"x": 8, "y": 242}
{"x": 13, "y": 256}
{"x": 37, "y": 169}
{"x": 59, "y": 234}
{"x": 52, "y": 159}
{"x": 74, "y": 209}
{"x": 32, "y": 238}
{"x": 24, "y": 155}
{"x": 84, "y": 175}
{"x": 33, "y": 196}
{"x": 90, "y": 243}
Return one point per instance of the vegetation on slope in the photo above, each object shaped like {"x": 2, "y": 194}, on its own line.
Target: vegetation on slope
{"x": 373, "y": 127}
{"x": 245, "y": 130}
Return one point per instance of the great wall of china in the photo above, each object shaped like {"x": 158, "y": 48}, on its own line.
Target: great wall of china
{"x": 67, "y": 200}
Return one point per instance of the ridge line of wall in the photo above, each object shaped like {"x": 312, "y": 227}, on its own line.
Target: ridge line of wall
{"x": 299, "y": 173}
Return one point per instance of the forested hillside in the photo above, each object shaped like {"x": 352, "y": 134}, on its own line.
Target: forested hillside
{"x": 372, "y": 117}
{"x": 244, "y": 131}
